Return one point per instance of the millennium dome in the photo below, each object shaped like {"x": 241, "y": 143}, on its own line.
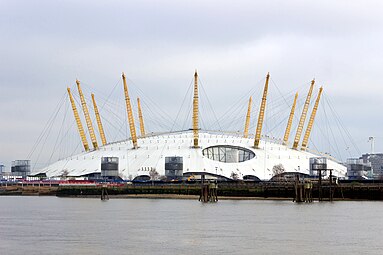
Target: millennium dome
{"x": 194, "y": 152}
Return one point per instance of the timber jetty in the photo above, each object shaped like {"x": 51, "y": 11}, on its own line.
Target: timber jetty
{"x": 344, "y": 190}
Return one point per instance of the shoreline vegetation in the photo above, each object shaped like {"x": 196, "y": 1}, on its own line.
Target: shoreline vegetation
{"x": 233, "y": 191}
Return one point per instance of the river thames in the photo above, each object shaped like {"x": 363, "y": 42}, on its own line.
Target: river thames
{"x": 51, "y": 225}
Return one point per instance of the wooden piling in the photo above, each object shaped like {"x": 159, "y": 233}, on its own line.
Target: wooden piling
{"x": 320, "y": 185}
{"x": 303, "y": 190}
{"x": 104, "y": 193}
{"x": 298, "y": 190}
{"x": 208, "y": 192}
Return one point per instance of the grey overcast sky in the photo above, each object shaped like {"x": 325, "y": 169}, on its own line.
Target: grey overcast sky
{"x": 46, "y": 45}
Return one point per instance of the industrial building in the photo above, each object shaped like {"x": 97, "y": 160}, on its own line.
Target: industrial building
{"x": 358, "y": 169}
{"x": 2, "y": 170}
{"x": 376, "y": 162}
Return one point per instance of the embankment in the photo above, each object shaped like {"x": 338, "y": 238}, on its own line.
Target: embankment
{"x": 238, "y": 190}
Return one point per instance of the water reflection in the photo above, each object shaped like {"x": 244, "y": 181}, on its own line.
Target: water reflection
{"x": 50, "y": 225}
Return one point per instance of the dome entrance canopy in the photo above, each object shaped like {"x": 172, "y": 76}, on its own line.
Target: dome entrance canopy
{"x": 228, "y": 153}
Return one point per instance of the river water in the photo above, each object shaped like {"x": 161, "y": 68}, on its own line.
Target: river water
{"x": 51, "y": 225}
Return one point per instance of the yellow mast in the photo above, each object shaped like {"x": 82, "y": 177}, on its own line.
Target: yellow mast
{"x": 195, "y": 111}
{"x": 78, "y": 121}
{"x": 290, "y": 122}
{"x": 142, "y": 127}
{"x": 261, "y": 113}
{"x": 87, "y": 117}
{"x": 247, "y": 123}
{"x": 303, "y": 117}
{"x": 99, "y": 123}
{"x": 311, "y": 121}
{"x": 132, "y": 127}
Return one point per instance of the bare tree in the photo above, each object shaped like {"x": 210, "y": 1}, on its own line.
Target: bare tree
{"x": 153, "y": 174}
{"x": 278, "y": 170}
{"x": 234, "y": 176}
{"x": 64, "y": 174}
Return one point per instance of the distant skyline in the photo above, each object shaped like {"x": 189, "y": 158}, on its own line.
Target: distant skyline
{"x": 46, "y": 45}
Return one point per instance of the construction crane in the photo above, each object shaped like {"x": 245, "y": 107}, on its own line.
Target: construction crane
{"x": 261, "y": 114}
{"x": 78, "y": 121}
{"x": 247, "y": 123}
{"x": 99, "y": 123}
{"x": 303, "y": 116}
{"x": 142, "y": 127}
{"x": 87, "y": 117}
{"x": 290, "y": 121}
{"x": 311, "y": 121}
{"x": 195, "y": 111}
{"x": 132, "y": 127}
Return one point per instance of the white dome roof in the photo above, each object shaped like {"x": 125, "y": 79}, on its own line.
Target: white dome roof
{"x": 153, "y": 150}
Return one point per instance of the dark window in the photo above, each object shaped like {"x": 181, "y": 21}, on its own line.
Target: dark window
{"x": 228, "y": 154}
